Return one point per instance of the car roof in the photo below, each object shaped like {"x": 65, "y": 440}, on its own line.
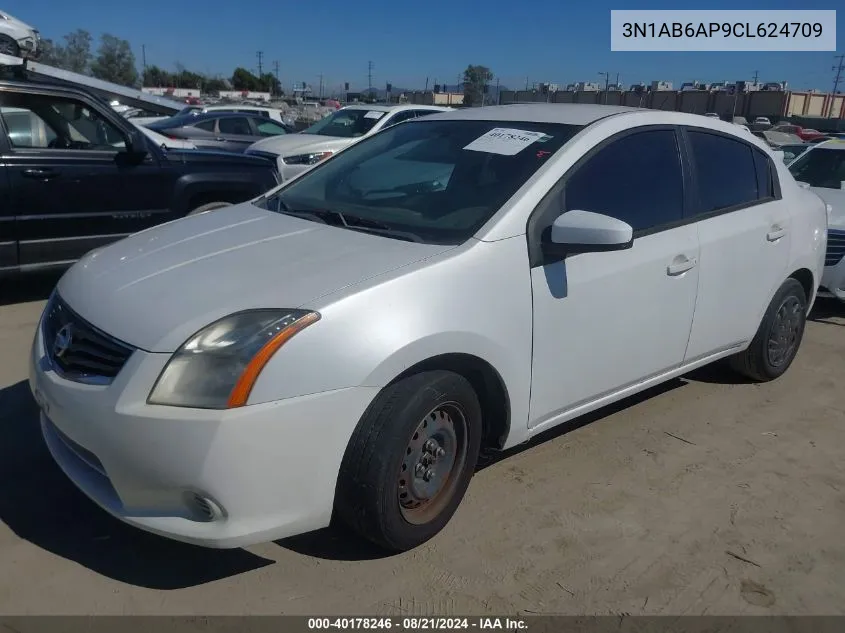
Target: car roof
{"x": 246, "y": 108}
{"x": 200, "y": 116}
{"x": 834, "y": 143}
{"x": 381, "y": 107}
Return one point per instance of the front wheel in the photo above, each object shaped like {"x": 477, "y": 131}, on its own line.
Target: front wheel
{"x": 410, "y": 460}
{"x": 8, "y": 46}
{"x": 778, "y": 338}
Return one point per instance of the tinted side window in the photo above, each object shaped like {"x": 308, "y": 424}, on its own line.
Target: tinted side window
{"x": 234, "y": 125}
{"x": 399, "y": 117}
{"x": 725, "y": 169}
{"x": 637, "y": 179}
{"x": 765, "y": 186}
{"x": 206, "y": 125}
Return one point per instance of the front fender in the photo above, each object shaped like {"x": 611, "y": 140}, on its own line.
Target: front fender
{"x": 231, "y": 187}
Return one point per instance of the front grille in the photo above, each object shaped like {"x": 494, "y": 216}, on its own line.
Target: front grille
{"x": 79, "y": 351}
{"x": 835, "y": 247}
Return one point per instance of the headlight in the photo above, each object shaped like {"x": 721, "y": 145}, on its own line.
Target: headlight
{"x": 306, "y": 159}
{"x": 217, "y": 367}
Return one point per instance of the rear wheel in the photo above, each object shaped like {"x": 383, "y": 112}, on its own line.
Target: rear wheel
{"x": 778, "y": 338}
{"x": 410, "y": 460}
{"x": 8, "y": 46}
{"x": 211, "y": 206}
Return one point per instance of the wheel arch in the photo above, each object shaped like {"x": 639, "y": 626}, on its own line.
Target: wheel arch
{"x": 488, "y": 384}
{"x": 805, "y": 277}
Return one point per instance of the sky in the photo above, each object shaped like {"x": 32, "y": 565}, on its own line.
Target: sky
{"x": 556, "y": 41}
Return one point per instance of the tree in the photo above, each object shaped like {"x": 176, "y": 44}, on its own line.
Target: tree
{"x": 215, "y": 85}
{"x": 115, "y": 61}
{"x": 269, "y": 83}
{"x": 76, "y": 53}
{"x": 242, "y": 79}
{"x": 156, "y": 77}
{"x": 52, "y": 54}
{"x": 475, "y": 78}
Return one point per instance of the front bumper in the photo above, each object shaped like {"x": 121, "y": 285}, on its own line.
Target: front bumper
{"x": 833, "y": 281}
{"x": 217, "y": 479}
{"x": 833, "y": 276}
{"x": 30, "y": 45}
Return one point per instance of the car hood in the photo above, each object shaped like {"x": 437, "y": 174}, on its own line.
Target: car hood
{"x": 836, "y": 199}
{"x": 291, "y": 144}
{"x": 18, "y": 23}
{"x": 156, "y": 288}
{"x": 214, "y": 156}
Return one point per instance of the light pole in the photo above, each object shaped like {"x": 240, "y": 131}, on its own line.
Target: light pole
{"x": 606, "y": 76}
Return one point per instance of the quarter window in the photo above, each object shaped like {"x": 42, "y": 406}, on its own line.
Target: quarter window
{"x": 726, "y": 172}
{"x": 234, "y": 125}
{"x": 208, "y": 126}
{"x": 637, "y": 179}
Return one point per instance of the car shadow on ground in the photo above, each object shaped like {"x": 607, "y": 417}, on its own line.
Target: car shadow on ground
{"x": 825, "y": 310}
{"x": 39, "y": 504}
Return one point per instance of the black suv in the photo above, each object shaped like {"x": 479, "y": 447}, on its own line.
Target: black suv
{"x": 75, "y": 175}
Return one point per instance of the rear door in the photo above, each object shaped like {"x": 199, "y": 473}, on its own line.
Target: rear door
{"x": 235, "y": 133}
{"x": 743, "y": 228}
{"x": 8, "y": 231}
{"x": 70, "y": 188}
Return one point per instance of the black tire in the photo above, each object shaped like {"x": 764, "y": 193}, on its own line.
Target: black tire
{"x": 211, "y": 206}
{"x": 778, "y": 338}
{"x": 8, "y": 46}
{"x": 380, "y": 465}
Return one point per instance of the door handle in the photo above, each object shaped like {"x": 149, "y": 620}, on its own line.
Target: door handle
{"x": 775, "y": 233}
{"x": 40, "y": 174}
{"x": 681, "y": 264}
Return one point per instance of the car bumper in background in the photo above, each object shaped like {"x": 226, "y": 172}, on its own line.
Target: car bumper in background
{"x": 217, "y": 479}
{"x": 833, "y": 277}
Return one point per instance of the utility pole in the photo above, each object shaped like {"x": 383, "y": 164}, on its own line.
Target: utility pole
{"x": 144, "y": 57}
{"x": 321, "y": 87}
{"x": 498, "y": 97}
{"x": 756, "y": 75}
{"x": 838, "y": 68}
{"x": 260, "y": 56}
{"x": 276, "y": 72}
{"x": 370, "y": 79}
{"x": 606, "y": 83}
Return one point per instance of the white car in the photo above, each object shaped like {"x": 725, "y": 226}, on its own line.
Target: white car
{"x": 163, "y": 141}
{"x": 351, "y": 341}
{"x": 762, "y": 120}
{"x": 273, "y": 113}
{"x": 17, "y": 38}
{"x": 297, "y": 153}
{"x": 822, "y": 166}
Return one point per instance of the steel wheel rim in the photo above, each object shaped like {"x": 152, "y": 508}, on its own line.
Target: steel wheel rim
{"x": 8, "y": 47}
{"x": 784, "y": 333}
{"x": 432, "y": 462}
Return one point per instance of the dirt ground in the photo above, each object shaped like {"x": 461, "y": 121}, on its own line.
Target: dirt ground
{"x": 704, "y": 496}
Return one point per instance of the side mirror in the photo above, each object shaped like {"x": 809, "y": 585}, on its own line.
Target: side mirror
{"x": 587, "y": 232}
{"x": 137, "y": 144}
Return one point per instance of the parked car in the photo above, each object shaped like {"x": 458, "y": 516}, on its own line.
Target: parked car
{"x": 793, "y": 151}
{"x": 228, "y": 131}
{"x": 712, "y": 115}
{"x": 17, "y": 38}
{"x": 163, "y": 141}
{"x": 807, "y": 135}
{"x": 823, "y": 168}
{"x": 272, "y": 113}
{"x": 297, "y": 154}
{"x": 350, "y": 342}
{"x": 762, "y": 120}
{"x": 77, "y": 176}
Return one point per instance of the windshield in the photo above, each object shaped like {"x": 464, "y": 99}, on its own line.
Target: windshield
{"x": 428, "y": 181}
{"x": 347, "y": 123}
{"x": 821, "y": 167}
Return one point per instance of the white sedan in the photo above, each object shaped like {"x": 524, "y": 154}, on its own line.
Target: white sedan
{"x": 822, "y": 166}
{"x": 17, "y": 38}
{"x": 351, "y": 341}
{"x": 297, "y": 153}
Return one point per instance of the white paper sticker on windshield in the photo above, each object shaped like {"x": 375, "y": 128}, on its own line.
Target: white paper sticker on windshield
{"x": 505, "y": 141}
{"x": 374, "y": 114}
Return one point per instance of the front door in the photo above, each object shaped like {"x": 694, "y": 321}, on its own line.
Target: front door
{"x": 235, "y": 134}
{"x": 607, "y": 321}
{"x": 70, "y": 189}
